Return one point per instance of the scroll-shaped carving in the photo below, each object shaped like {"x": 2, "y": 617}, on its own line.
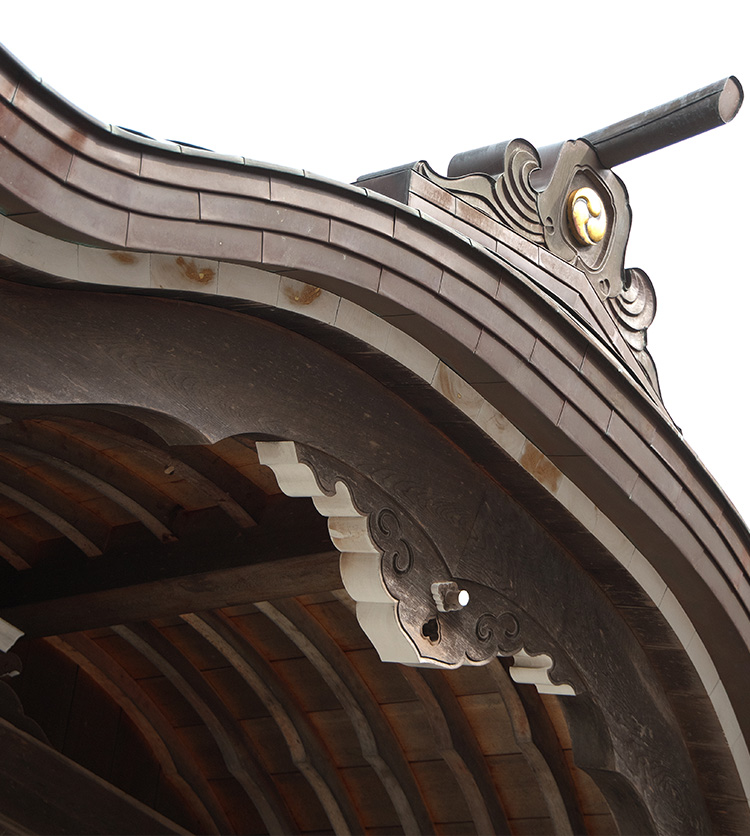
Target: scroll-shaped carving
{"x": 494, "y": 625}
{"x": 634, "y": 309}
{"x": 385, "y": 530}
{"x": 582, "y": 216}
{"x": 508, "y": 198}
{"x": 392, "y": 570}
{"x": 502, "y": 629}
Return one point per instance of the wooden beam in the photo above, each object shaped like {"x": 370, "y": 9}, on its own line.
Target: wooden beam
{"x": 288, "y": 554}
{"x": 283, "y": 578}
{"x": 74, "y": 799}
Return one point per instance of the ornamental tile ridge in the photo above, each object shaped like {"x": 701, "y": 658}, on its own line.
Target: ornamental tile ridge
{"x": 582, "y": 216}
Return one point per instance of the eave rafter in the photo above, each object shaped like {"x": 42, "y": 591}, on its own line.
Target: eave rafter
{"x": 175, "y": 530}
{"x": 357, "y": 709}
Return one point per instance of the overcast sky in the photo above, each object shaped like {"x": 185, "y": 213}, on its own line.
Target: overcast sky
{"x": 344, "y": 88}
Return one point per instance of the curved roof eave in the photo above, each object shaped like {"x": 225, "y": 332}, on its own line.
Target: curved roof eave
{"x": 484, "y": 312}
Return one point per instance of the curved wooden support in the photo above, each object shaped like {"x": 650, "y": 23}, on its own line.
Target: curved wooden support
{"x": 594, "y": 752}
{"x": 380, "y": 748}
{"x": 307, "y": 750}
{"x": 499, "y": 619}
{"x": 455, "y": 740}
{"x": 53, "y": 520}
{"x": 398, "y": 580}
{"x": 460, "y": 750}
{"x": 232, "y": 743}
{"x": 101, "y": 486}
{"x": 541, "y": 749}
{"x": 478, "y": 534}
{"x": 177, "y": 763}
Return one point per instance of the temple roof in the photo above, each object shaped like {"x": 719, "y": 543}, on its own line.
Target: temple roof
{"x": 262, "y": 430}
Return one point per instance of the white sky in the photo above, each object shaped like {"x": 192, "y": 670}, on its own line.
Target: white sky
{"x": 343, "y": 89}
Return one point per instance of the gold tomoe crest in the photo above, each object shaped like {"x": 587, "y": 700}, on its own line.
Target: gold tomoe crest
{"x": 586, "y": 216}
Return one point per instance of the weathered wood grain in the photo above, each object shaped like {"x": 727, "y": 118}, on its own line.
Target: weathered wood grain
{"x": 307, "y": 749}
{"x": 235, "y": 747}
{"x": 380, "y": 747}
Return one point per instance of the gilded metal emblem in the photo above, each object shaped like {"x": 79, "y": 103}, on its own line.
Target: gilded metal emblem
{"x": 586, "y": 216}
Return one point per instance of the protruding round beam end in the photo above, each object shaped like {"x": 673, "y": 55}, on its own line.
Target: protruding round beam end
{"x": 730, "y": 99}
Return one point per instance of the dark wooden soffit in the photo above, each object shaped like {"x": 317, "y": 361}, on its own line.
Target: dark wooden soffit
{"x": 351, "y": 745}
{"x": 101, "y": 527}
{"x": 225, "y": 373}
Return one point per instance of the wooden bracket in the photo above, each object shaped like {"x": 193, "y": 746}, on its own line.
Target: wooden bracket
{"x": 407, "y": 603}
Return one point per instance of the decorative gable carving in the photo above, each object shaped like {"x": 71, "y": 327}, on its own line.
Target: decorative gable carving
{"x": 582, "y": 216}
{"x": 403, "y": 588}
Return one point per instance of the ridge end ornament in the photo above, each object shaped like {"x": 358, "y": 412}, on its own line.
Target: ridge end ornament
{"x": 561, "y": 198}
{"x": 587, "y": 217}
{"x": 582, "y": 207}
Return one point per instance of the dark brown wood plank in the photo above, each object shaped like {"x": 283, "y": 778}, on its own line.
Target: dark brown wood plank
{"x": 306, "y": 748}
{"x": 288, "y": 554}
{"x": 244, "y": 584}
{"x": 235, "y": 747}
{"x": 380, "y": 746}
{"x": 27, "y": 765}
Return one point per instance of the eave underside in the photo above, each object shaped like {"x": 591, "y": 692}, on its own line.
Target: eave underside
{"x": 268, "y": 717}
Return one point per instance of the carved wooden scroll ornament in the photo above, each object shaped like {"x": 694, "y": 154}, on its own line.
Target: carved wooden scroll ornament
{"x": 406, "y": 602}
